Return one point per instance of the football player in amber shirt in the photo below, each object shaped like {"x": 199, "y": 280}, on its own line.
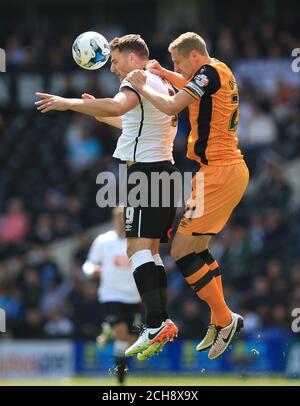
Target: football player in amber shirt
{"x": 208, "y": 88}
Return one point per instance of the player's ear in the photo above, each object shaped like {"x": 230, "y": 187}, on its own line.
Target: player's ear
{"x": 132, "y": 57}
{"x": 194, "y": 55}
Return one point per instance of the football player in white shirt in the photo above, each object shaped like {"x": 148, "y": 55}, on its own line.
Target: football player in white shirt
{"x": 146, "y": 144}
{"x": 117, "y": 291}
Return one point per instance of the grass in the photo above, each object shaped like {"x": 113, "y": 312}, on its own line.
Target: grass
{"x": 163, "y": 380}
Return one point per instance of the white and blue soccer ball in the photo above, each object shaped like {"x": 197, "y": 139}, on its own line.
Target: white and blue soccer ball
{"x": 90, "y": 50}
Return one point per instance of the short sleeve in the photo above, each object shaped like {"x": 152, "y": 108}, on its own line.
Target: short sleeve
{"x": 205, "y": 81}
{"x": 127, "y": 85}
{"x": 95, "y": 255}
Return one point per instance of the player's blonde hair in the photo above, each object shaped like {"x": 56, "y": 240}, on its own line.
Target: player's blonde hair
{"x": 188, "y": 42}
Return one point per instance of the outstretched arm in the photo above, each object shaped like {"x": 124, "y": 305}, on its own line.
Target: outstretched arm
{"x": 124, "y": 101}
{"x": 167, "y": 104}
{"x": 112, "y": 121}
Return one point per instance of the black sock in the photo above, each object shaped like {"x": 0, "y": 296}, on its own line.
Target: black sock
{"x": 207, "y": 257}
{"x": 147, "y": 282}
{"x": 120, "y": 369}
{"x": 163, "y": 286}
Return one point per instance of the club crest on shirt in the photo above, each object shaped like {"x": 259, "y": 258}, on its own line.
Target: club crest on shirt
{"x": 201, "y": 80}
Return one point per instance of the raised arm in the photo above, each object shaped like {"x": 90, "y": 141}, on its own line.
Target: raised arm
{"x": 167, "y": 104}
{"x": 176, "y": 79}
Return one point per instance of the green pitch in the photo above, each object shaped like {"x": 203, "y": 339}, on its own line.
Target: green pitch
{"x": 175, "y": 380}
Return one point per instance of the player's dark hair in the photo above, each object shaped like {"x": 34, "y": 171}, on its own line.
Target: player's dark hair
{"x": 131, "y": 43}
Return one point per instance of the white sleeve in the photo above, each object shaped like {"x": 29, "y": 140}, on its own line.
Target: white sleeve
{"x": 127, "y": 85}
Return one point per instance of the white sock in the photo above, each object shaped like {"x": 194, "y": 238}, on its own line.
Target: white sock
{"x": 120, "y": 347}
{"x": 140, "y": 258}
{"x": 158, "y": 261}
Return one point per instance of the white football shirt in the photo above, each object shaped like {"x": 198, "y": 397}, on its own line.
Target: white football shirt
{"x": 117, "y": 283}
{"x": 147, "y": 133}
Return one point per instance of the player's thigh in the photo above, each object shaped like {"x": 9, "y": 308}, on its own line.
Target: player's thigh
{"x": 184, "y": 244}
{"x": 155, "y": 246}
{"x": 202, "y": 243}
{"x": 154, "y": 219}
{"x": 135, "y": 244}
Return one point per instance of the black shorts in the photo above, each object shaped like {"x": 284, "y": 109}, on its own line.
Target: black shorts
{"x": 118, "y": 312}
{"x": 153, "y": 221}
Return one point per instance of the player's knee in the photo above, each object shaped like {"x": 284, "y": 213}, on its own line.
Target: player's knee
{"x": 120, "y": 332}
{"x": 176, "y": 252}
{"x": 131, "y": 248}
{"x": 121, "y": 335}
{"x": 120, "y": 347}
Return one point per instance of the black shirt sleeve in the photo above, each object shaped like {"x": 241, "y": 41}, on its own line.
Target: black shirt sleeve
{"x": 205, "y": 81}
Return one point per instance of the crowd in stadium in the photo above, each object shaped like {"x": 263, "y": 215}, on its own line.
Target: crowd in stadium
{"x": 41, "y": 302}
{"x": 49, "y": 165}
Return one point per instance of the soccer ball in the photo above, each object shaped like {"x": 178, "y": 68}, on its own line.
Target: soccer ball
{"x": 90, "y": 50}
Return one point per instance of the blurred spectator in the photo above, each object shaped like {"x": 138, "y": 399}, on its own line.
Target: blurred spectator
{"x": 13, "y": 306}
{"x": 58, "y": 325}
{"x": 53, "y": 299}
{"x": 87, "y": 311}
{"x": 295, "y": 275}
{"x": 43, "y": 231}
{"x": 14, "y": 225}
{"x": 48, "y": 269}
{"x": 31, "y": 326}
{"x": 271, "y": 187}
{"x": 275, "y": 228}
{"x": 262, "y": 129}
{"x": 82, "y": 248}
{"x": 257, "y": 233}
{"x": 191, "y": 324}
{"x": 281, "y": 317}
{"x": 61, "y": 225}
{"x": 73, "y": 208}
{"x": 82, "y": 148}
{"x": 16, "y": 53}
{"x": 237, "y": 256}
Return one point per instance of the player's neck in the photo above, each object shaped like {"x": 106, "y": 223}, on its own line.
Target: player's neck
{"x": 140, "y": 65}
{"x": 206, "y": 60}
{"x": 203, "y": 61}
